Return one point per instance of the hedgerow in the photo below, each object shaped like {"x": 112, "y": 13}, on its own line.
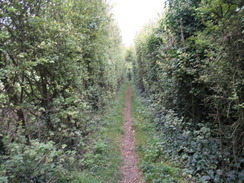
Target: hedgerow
{"x": 190, "y": 67}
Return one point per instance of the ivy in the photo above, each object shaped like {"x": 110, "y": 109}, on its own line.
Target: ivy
{"x": 189, "y": 65}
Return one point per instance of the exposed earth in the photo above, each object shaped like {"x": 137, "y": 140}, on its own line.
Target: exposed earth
{"x": 130, "y": 171}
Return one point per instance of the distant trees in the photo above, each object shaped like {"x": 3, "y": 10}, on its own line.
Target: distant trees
{"x": 192, "y": 63}
{"x": 130, "y": 59}
{"x": 59, "y": 63}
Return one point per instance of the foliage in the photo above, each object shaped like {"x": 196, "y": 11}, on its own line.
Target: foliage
{"x": 130, "y": 59}
{"x": 103, "y": 159}
{"x": 153, "y": 163}
{"x": 60, "y": 64}
{"x": 40, "y": 162}
{"x": 190, "y": 65}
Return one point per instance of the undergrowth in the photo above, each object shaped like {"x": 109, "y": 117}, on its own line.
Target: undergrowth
{"x": 154, "y": 165}
{"x": 103, "y": 162}
{"x": 165, "y": 142}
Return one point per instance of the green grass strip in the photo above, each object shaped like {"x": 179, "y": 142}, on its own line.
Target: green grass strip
{"x": 105, "y": 164}
{"x": 152, "y": 162}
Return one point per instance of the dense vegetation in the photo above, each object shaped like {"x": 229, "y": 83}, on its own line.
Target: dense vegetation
{"x": 60, "y": 63}
{"x": 190, "y": 67}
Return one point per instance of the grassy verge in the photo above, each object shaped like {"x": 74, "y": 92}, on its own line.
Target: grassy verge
{"x": 153, "y": 163}
{"x": 104, "y": 163}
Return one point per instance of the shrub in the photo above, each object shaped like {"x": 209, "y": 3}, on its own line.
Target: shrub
{"x": 39, "y": 162}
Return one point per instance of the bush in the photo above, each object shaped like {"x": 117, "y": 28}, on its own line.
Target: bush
{"x": 39, "y": 162}
{"x": 195, "y": 147}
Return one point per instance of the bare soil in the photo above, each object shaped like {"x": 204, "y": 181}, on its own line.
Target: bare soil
{"x": 130, "y": 171}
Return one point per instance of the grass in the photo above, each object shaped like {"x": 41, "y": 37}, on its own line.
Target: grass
{"x": 154, "y": 165}
{"x": 107, "y": 168}
{"x": 105, "y": 164}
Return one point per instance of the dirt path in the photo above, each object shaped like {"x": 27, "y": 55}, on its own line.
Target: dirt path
{"x": 129, "y": 169}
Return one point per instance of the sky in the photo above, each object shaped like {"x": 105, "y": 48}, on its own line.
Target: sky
{"x": 132, "y": 15}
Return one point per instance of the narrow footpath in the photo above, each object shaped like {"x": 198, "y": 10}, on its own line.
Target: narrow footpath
{"x": 130, "y": 171}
